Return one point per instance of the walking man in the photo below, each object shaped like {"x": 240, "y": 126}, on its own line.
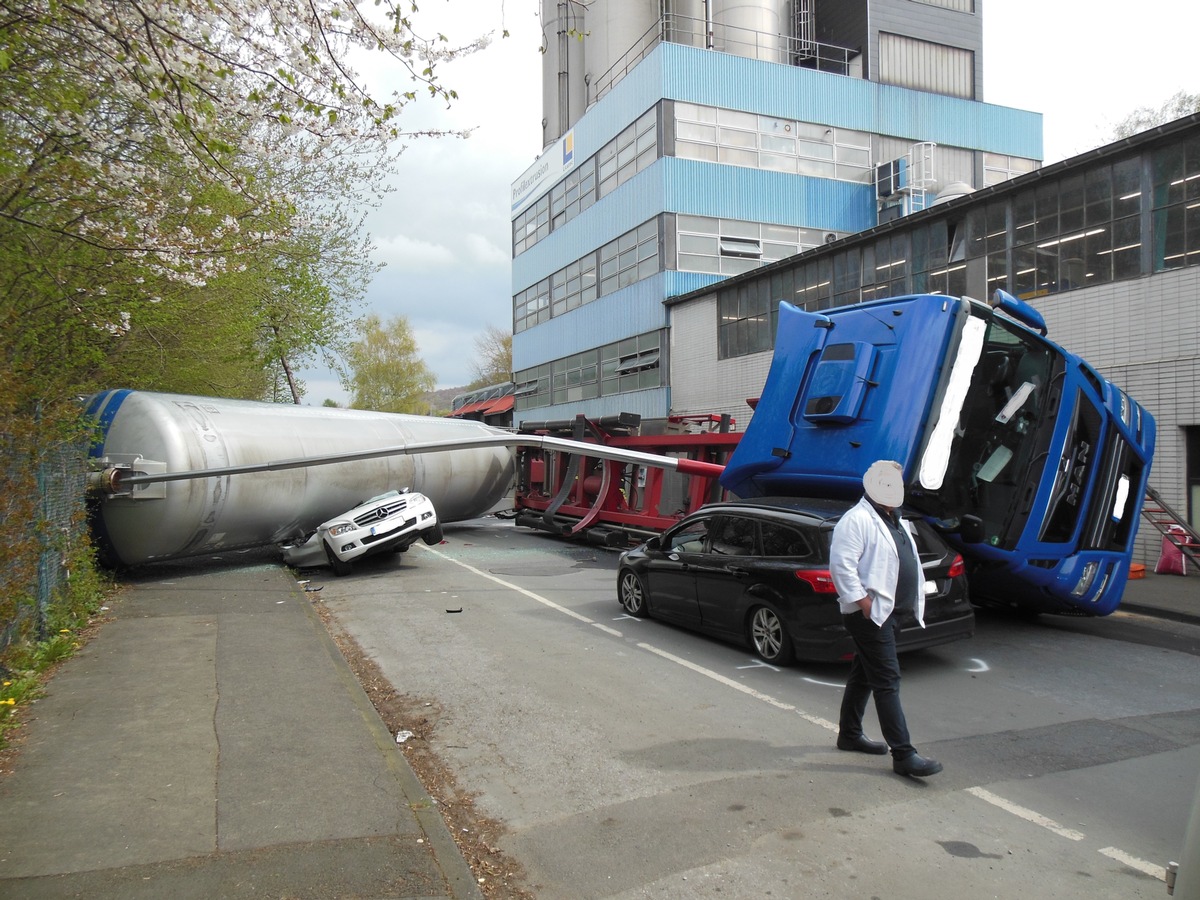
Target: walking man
{"x": 877, "y": 573}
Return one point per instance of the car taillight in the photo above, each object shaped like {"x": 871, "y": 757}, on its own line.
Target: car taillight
{"x": 957, "y": 567}
{"x": 819, "y": 579}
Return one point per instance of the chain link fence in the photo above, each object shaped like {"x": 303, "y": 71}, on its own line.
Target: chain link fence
{"x": 44, "y": 526}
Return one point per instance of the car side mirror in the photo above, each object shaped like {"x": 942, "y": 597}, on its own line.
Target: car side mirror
{"x": 653, "y": 544}
{"x": 970, "y": 529}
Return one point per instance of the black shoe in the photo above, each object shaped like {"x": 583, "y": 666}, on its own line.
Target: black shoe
{"x": 862, "y": 744}
{"x": 916, "y": 765}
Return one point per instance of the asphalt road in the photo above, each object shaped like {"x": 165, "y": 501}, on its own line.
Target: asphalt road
{"x": 632, "y": 759}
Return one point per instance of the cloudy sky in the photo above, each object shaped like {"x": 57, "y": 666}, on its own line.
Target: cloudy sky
{"x": 444, "y": 234}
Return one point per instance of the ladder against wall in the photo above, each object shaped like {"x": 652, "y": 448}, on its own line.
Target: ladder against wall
{"x": 1173, "y": 527}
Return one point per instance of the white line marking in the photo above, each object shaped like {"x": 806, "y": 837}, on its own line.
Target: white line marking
{"x": 759, "y": 664}
{"x": 824, "y": 683}
{"x": 512, "y": 587}
{"x": 738, "y": 686}
{"x": 1027, "y": 814}
{"x": 1149, "y": 868}
{"x": 707, "y": 673}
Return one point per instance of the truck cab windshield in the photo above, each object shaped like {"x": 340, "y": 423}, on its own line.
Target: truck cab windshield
{"x": 1003, "y": 435}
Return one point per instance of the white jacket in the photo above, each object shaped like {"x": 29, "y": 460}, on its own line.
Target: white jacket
{"x": 863, "y": 563}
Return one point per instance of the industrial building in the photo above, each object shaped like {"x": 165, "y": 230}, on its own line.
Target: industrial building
{"x": 707, "y": 160}
{"x": 691, "y": 140}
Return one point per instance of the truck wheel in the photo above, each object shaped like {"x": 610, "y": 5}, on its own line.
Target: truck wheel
{"x": 339, "y": 567}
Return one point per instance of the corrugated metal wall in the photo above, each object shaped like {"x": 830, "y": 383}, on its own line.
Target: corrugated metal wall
{"x": 925, "y": 66}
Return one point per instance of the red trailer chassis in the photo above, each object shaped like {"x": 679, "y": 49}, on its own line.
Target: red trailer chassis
{"x": 612, "y": 502}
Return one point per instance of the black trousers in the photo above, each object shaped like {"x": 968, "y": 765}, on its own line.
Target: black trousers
{"x": 875, "y": 671}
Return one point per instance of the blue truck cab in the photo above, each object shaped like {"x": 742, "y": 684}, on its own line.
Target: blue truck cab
{"x": 1028, "y": 461}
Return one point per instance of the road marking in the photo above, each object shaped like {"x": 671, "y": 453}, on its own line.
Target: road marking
{"x": 831, "y": 684}
{"x": 738, "y": 686}
{"x": 1027, "y": 814}
{"x": 1148, "y": 868}
{"x": 512, "y": 587}
{"x": 754, "y": 664}
{"x": 707, "y": 673}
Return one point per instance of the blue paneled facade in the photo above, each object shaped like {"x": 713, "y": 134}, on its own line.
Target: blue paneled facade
{"x": 696, "y": 166}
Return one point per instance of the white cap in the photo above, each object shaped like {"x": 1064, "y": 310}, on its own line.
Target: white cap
{"x": 884, "y": 483}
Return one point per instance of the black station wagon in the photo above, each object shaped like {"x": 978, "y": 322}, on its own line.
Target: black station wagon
{"x": 757, "y": 572}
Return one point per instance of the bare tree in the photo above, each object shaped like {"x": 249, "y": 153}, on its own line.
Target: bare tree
{"x": 1146, "y": 117}
{"x": 493, "y": 357}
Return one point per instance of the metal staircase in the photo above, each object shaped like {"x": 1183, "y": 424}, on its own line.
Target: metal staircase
{"x": 1172, "y": 526}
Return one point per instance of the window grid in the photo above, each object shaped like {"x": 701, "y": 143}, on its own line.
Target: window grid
{"x": 632, "y": 364}
{"x": 779, "y": 145}
{"x": 1077, "y": 231}
{"x": 631, "y": 151}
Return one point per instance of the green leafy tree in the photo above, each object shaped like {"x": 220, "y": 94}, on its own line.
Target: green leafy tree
{"x": 384, "y": 370}
{"x": 149, "y": 149}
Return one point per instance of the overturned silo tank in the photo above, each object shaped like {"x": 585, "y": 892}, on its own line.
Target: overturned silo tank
{"x": 153, "y": 434}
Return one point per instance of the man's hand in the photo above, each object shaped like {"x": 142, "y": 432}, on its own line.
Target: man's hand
{"x": 865, "y": 605}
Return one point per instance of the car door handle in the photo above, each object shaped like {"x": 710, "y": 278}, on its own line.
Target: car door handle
{"x": 738, "y": 571}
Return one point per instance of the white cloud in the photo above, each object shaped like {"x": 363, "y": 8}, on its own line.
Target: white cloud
{"x": 408, "y": 253}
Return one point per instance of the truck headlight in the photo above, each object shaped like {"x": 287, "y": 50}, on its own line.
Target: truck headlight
{"x": 1085, "y": 579}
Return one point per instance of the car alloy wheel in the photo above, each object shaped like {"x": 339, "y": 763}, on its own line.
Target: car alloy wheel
{"x": 769, "y": 638}
{"x": 632, "y": 594}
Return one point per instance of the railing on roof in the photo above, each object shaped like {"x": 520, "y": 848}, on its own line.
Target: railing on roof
{"x": 693, "y": 32}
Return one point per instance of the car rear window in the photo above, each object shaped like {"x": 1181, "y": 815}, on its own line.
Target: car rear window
{"x": 735, "y": 536}
{"x": 783, "y": 540}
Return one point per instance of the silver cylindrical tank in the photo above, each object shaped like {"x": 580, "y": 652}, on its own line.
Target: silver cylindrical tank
{"x": 161, "y": 433}
{"x": 751, "y": 28}
{"x": 564, "y": 91}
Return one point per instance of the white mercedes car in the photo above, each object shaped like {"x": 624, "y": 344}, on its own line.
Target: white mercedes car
{"x": 390, "y": 522}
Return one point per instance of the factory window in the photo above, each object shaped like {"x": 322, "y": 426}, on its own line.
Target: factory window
{"x": 764, "y": 142}
{"x": 1176, "y": 187}
{"x": 531, "y": 306}
{"x": 573, "y": 286}
{"x": 533, "y": 387}
{"x": 628, "y": 153}
{"x": 1000, "y": 167}
{"x": 632, "y": 364}
{"x": 620, "y": 159}
{"x": 531, "y": 226}
{"x": 630, "y": 258}
{"x": 573, "y": 194}
{"x": 1082, "y": 230}
{"x": 746, "y": 317}
{"x": 732, "y": 246}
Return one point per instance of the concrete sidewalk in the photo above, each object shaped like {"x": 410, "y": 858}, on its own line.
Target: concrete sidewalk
{"x": 211, "y": 742}
{"x": 1175, "y": 597}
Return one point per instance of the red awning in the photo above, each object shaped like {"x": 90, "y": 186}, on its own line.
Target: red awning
{"x": 469, "y": 408}
{"x": 499, "y": 405}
